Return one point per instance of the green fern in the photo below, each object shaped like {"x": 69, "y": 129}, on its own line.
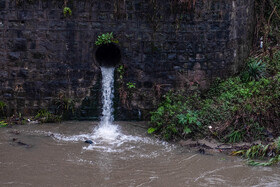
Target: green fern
{"x": 67, "y": 11}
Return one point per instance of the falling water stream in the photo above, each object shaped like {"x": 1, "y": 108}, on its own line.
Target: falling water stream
{"x": 121, "y": 154}
{"x": 107, "y": 130}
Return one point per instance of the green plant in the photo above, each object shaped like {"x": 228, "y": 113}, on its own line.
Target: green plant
{"x": 16, "y": 119}
{"x": 64, "y": 104}
{"x": 151, "y": 130}
{"x": 255, "y": 70}
{"x": 2, "y": 108}
{"x": 188, "y": 120}
{"x": 2, "y": 105}
{"x": 46, "y": 117}
{"x": 120, "y": 71}
{"x": 235, "y": 136}
{"x": 274, "y": 62}
{"x": 261, "y": 152}
{"x": 175, "y": 118}
{"x": 237, "y": 110}
{"x": 131, "y": 85}
{"x": 3, "y": 124}
{"x": 105, "y": 39}
{"x": 67, "y": 11}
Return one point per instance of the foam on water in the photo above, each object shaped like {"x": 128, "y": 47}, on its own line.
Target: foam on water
{"x": 117, "y": 143}
{"x": 107, "y": 132}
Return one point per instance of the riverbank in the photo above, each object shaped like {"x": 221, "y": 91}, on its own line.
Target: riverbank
{"x": 242, "y": 108}
{"x": 245, "y": 107}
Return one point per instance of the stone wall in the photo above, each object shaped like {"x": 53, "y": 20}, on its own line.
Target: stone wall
{"x": 164, "y": 45}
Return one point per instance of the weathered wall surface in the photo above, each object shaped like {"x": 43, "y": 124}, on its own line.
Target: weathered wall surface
{"x": 163, "y": 46}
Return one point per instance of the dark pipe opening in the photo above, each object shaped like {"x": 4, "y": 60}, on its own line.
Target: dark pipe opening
{"x": 108, "y": 55}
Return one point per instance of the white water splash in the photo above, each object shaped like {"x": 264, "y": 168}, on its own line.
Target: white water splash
{"x": 107, "y": 95}
{"x": 106, "y": 130}
{"x": 107, "y": 137}
{"x": 122, "y": 143}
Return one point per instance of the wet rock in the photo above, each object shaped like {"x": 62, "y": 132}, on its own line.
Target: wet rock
{"x": 214, "y": 145}
{"x": 201, "y": 151}
{"x": 33, "y": 122}
{"x": 188, "y": 143}
{"x": 89, "y": 141}
{"x": 225, "y": 146}
{"x": 271, "y": 154}
{"x": 14, "y": 56}
{"x": 20, "y": 143}
{"x": 50, "y": 135}
{"x": 242, "y": 145}
{"x": 210, "y": 144}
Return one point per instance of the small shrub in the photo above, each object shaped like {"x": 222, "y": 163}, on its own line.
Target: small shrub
{"x": 2, "y": 108}
{"x": 247, "y": 132}
{"x": 120, "y": 71}
{"x": 3, "y": 124}
{"x": 261, "y": 152}
{"x": 175, "y": 119}
{"x": 46, "y": 117}
{"x": 274, "y": 63}
{"x": 16, "y": 119}
{"x": 255, "y": 70}
{"x": 105, "y": 39}
{"x": 131, "y": 85}
{"x": 64, "y": 106}
{"x": 67, "y": 11}
{"x": 2, "y": 105}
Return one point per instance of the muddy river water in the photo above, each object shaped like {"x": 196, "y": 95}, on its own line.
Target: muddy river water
{"x": 57, "y": 155}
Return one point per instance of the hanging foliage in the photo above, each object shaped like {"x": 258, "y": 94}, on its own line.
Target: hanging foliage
{"x": 268, "y": 22}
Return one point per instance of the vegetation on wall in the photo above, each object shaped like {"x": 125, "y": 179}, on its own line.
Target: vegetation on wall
{"x": 2, "y": 107}
{"x": 125, "y": 89}
{"x": 3, "y": 124}
{"x": 45, "y": 116}
{"x": 64, "y": 106}
{"x": 67, "y": 11}
{"x": 106, "y": 38}
{"x": 2, "y": 114}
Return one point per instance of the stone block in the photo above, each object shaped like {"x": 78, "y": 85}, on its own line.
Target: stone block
{"x": 14, "y": 56}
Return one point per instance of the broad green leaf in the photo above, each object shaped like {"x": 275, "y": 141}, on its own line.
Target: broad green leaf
{"x": 151, "y": 130}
